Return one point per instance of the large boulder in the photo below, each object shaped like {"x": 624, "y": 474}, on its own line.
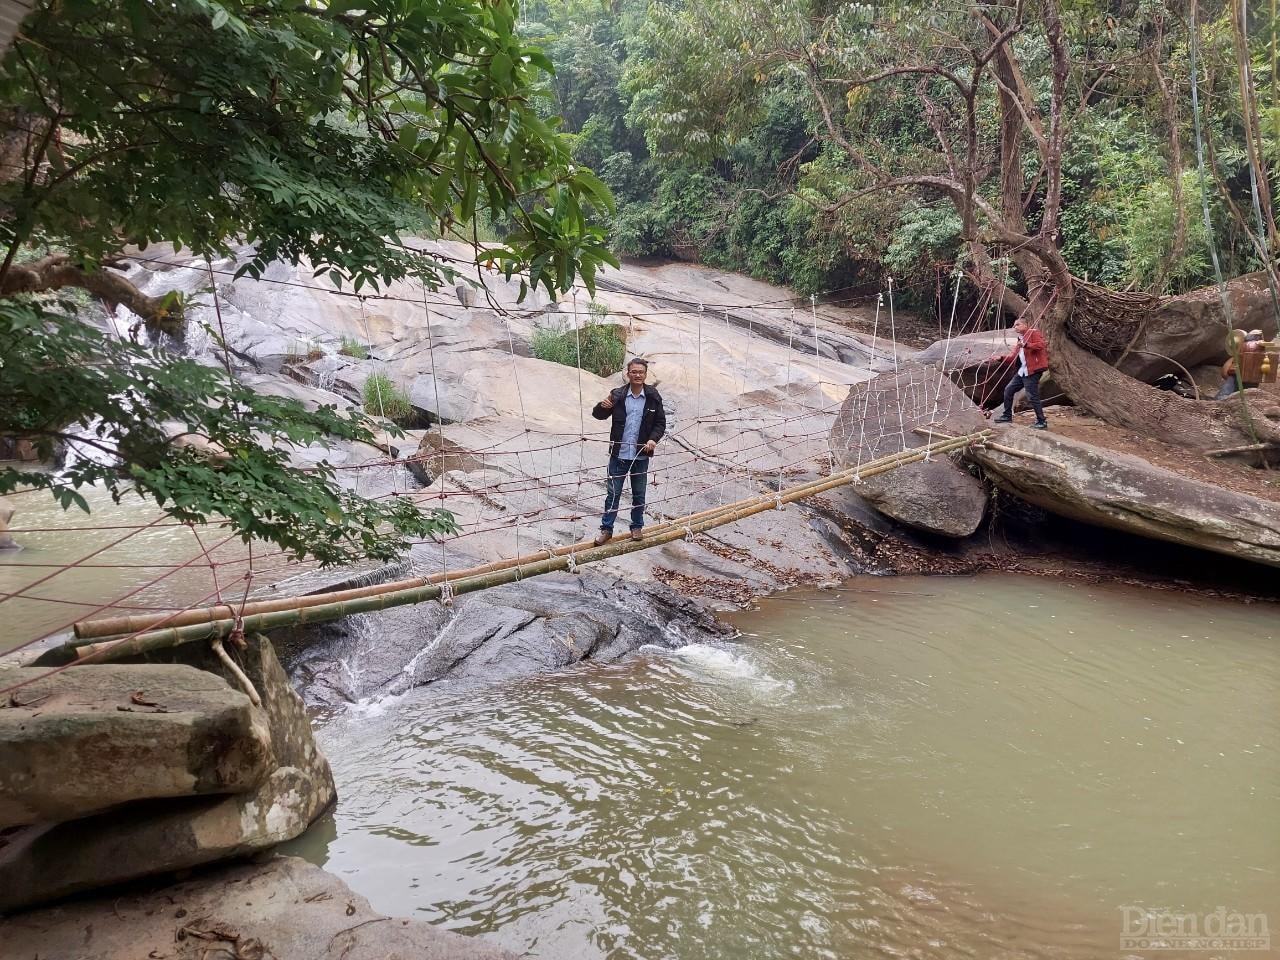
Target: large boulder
{"x": 1095, "y": 485}
{"x": 879, "y": 417}
{"x": 45, "y": 862}
{"x": 284, "y": 908}
{"x": 90, "y": 738}
{"x": 966, "y": 359}
{"x": 1191, "y": 329}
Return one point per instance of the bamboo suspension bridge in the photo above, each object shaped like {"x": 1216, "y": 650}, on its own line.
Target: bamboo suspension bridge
{"x": 757, "y": 439}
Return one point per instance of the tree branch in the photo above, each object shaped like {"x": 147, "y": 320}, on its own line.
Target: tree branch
{"x": 57, "y": 271}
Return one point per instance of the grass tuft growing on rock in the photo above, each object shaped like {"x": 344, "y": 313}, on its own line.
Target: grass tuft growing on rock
{"x": 382, "y": 398}
{"x": 353, "y": 348}
{"x": 597, "y": 347}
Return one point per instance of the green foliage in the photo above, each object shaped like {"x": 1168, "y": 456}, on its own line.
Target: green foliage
{"x": 927, "y": 237}
{"x": 383, "y": 398}
{"x": 313, "y": 132}
{"x": 1119, "y": 219}
{"x": 706, "y": 80}
{"x": 596, "y": 346}
{"x": 353, "y": 348}
{"x": 61, "y": 381}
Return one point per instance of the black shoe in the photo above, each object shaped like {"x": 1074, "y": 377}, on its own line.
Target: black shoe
{"x": 1003, "y": 419}
{"x": 1040, "y": 425}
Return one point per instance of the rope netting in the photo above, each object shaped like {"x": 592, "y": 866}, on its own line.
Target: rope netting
{"x": 515, "y": 485}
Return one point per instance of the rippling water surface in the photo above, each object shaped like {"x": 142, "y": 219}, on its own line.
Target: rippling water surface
{"x": 984, "y": 767}
{"x": 71, "y": 563}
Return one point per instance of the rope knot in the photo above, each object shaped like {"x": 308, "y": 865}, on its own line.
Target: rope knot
{"x": 446, "y": 594}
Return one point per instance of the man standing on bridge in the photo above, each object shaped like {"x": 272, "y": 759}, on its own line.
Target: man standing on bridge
{"x": 1032, "y": 356}
{"x": 639, "y": 421}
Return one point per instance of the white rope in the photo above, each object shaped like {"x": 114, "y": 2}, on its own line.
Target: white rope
{"x": 791, "y": 332}
{"x": 817, "y": 372}
{"x": 377, "y": 390}
{"x": 866, "y": 401}
{"x": 435, "y": 388}
{"x": 893, "y": 338}
{"x": 524, "y": 422}
{"x": 580, "y": 533}
{"x": 946, "y": 352}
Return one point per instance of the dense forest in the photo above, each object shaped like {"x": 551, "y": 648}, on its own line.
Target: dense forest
{"x": 707, "y": 122}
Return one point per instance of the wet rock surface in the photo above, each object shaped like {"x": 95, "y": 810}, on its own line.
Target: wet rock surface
{"x": 526, "y": 628}
{"x": 283, "y": 908}
{"x": 7, "y": 510}
{"x": 86, "y": 739}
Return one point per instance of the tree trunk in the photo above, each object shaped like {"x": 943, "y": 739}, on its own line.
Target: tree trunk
{"x": 1192, "y": 329}
{"x": 1100, "y": 389}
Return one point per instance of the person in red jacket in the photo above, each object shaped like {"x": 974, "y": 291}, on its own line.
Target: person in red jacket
{"x": 1032, "y": 357}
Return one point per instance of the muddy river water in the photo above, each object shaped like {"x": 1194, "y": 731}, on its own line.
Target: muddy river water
{"x": 984, "y": 767}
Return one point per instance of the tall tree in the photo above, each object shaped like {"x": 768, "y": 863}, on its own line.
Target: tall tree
{"x": 993, "y": 96}
{"x": 317, "y": 133}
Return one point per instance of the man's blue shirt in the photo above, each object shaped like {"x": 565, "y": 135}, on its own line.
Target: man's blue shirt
{"x": 631, "y": 429}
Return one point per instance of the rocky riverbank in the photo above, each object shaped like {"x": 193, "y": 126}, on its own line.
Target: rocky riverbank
{"x": 761, "y": 395}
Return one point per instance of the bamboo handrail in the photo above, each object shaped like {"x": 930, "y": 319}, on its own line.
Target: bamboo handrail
{"x": 104, "y": 627}
{"x": 510, "y": 570}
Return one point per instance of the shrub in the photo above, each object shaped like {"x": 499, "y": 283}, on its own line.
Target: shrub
{"x": 382, "y": 398}
{"x": 353, "y": 348}
{"x": 596, "y": 347}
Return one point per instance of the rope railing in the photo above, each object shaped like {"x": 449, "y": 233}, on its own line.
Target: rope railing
{"x": 322, "y": 607}
{"x": 757, "y": 438}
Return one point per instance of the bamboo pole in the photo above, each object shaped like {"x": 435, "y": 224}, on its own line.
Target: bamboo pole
{"x": 998, "y": 447}
{"x": 674, "y": 530}
{"x": 101, "y": 628}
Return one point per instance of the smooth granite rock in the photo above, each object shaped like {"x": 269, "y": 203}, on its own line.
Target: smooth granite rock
{"x": 280, "y": 909}
{"x": 879, "y": 418}
{"x": 45, "y": 862}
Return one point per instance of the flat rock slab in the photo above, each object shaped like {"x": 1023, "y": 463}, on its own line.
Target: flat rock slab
{"x": 284, "y": 908}
{"x": 1094, "y": 485}
{"x": 93, "y": 737}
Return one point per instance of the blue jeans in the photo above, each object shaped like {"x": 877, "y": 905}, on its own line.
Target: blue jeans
{"x": 619, "y": 469}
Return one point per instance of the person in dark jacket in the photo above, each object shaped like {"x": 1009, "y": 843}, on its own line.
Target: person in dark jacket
{"x": 1032, "y": 357}
{"x": 639, "y": 421}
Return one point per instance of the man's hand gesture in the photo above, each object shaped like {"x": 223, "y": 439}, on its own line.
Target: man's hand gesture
{"x": 648, "y": 448}
{"x": 607, "y": 402}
